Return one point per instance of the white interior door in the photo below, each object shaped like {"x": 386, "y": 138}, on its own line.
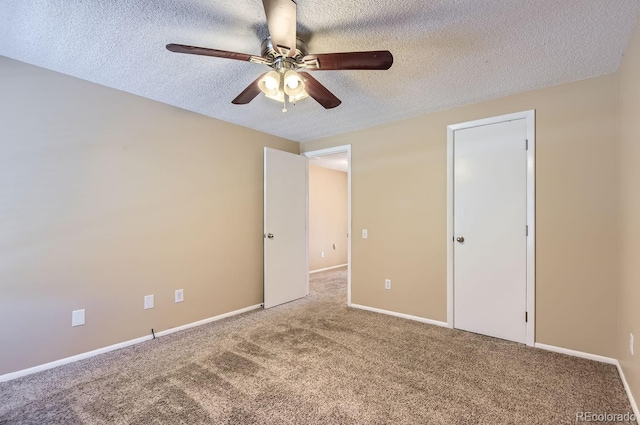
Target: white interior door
{"x": 286, "y": 276}
{"x": 490, "y": 218}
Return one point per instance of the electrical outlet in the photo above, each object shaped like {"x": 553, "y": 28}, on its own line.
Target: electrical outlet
{"x": 322, "y": 254}
{"x": 365, "y": 233}
{"x": 148, "y": 302}
{"x": 77, "y": 317}
{"x": 179, "y": 295}
{"x": 631, "y": 343}
{"x": 387, "y": 284}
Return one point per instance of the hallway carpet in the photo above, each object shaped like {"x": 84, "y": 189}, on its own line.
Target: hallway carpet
{"x": 315, "y": 361}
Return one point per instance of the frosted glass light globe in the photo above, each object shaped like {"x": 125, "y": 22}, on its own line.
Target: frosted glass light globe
{"x": 270, "y": 83}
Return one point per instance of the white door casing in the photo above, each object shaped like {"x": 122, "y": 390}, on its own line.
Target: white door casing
{"x": 286, "y": 276}
{"x": 491, "y": 205}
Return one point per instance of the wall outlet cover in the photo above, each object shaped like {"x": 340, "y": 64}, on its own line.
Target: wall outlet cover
{"x": 387, "y": 284}
{"x": 179, "y": 295}
{"x": 77, "y": 317}
{"x": 148, "y": 302}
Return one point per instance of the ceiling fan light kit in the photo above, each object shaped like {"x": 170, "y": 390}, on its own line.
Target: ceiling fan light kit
{"x": 283, "y": 84}
{"x": 287, "y": 55}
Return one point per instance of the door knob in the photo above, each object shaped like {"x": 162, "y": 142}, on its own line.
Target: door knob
{"x": 460, "y": 239}
{"x": 270, "y": 235}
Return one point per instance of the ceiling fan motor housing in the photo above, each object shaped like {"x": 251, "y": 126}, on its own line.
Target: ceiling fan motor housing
{"x": 283, "y": 63}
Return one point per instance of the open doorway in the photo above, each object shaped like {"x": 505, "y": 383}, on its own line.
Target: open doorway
{"x": 330, "y": 211}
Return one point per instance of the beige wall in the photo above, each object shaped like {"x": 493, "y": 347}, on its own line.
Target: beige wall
{"x": 628, "y": 309}
{"x": 106, "y": 197}
{"x": 327, "y": 217}
{"x": 399, "y": 195}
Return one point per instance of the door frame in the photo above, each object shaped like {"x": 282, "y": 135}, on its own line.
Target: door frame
{"x": 529, "y": 116}
{"x": 329, "y": 151}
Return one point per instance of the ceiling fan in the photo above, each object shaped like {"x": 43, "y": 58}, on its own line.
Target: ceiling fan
{"x": 285, "y": 53}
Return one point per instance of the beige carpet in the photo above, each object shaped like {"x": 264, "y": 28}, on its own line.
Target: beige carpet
{"x": 315, "y": 361}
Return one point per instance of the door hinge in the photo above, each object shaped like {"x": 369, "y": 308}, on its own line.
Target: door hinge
{"x": 526, "y": 316}
{"x": 526, "y": 144}
{"x": 527, "y": 230}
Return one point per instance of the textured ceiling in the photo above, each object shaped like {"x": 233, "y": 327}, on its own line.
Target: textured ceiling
{"x": 447, "y": 53}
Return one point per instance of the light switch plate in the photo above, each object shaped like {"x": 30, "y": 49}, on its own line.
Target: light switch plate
{"x": 148, "y": 302}
{"x": 365, "y": 233}
{"x": 179, "y": 295}
{"x": 387, "y": 284}
{"x": 77, "y": 317}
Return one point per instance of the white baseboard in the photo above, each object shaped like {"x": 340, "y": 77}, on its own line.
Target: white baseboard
{"x": 67, "y": 360}
{"x": 597, "y": 358}
{"x": 208, "y": 320}
{"x": 401, "y": 315}
{"x": 327, "y": 268}
{"x": 82, "y": 356}
{"x": 575, "y": 353}
{"x": 632, "y": 400}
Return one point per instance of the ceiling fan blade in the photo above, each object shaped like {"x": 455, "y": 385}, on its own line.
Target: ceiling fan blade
{"x": 281, "y": 20}
{"x": 203, "y": 51}
{"x": 379, "y": 59}
{"x": 249, "y": 93}
{"x": 319, "y": 92}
